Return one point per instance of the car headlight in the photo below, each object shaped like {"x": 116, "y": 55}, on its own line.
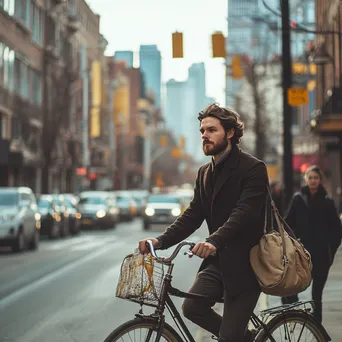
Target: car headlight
{"x": 175, "y": 212}
{"x": 149, "y": 211}
{"x": 101, "y": 213}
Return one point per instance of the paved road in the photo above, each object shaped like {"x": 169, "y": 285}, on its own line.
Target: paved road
{"x": 66, "y": 290}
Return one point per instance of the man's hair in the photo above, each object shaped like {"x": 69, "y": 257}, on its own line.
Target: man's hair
{"x": 228, "y": 117}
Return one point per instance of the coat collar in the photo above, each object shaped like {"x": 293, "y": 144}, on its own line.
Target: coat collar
{"x": 225, "y": 173}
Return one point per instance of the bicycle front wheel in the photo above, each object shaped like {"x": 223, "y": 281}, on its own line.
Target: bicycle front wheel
{"x": 142, "y": 329}
{"x": 292, "y": 326}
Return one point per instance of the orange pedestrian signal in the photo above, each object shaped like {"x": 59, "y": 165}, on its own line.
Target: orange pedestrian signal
{"x": 177, "y": 45}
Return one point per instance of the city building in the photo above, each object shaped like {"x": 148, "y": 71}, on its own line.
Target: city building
{"x": 150, "y": 65}
{"x": 326, "y": 120}
{"x": 21, "y": 92}
{"x": 41, "y": 92}
{"x": 124, "y": 56}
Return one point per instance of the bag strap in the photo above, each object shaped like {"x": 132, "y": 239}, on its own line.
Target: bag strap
{"x": 278, "y": 220}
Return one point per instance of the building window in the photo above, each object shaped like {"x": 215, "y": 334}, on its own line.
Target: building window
{"x": 8, "y": 68}
{"x": 72, "y": 7}
{"x": 36, "y": 20}
{"x": 36, "y": 87}
{"x": 16, "y": 128}
{"x": 8, "y": 6}
{"x": 22, "y": 11}
{"x": 21, "y": 78}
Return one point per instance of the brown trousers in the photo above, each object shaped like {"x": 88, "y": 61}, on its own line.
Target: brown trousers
{"x": 232, "y": 326}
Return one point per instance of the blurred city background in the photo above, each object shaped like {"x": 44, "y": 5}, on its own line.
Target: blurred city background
{"x": 78, "y": 112}
{"x": 98, "y": 129}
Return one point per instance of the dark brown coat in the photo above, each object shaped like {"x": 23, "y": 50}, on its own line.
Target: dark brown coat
{"x": 235, "y": 216}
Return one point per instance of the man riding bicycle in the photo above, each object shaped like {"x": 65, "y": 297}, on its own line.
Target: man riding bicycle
{"x": 230, "y": 194}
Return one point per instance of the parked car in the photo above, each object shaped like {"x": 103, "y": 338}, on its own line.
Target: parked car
{"x": 74, "y": 215}
{"x": 98, "y": 209}
{"x": 64, "y": 212}
{"x": 19, "y": 219}
{"x": 139, "y": 196}
{"x": 126, "y": 204}
{"x": 162, "y": 208}
{"x": 50, "y": 216}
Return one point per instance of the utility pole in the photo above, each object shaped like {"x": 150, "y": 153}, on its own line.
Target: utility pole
{"x": 287, "y": 109}
{"x": 85, "y": 106}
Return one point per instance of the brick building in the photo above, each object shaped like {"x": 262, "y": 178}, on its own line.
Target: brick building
{"x": 21, "y": 55}
{"x": 327, "y": 120}
{"x": 41, "y": 91}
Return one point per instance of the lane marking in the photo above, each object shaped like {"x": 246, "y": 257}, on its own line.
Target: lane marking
{"x": 46, "y": 279}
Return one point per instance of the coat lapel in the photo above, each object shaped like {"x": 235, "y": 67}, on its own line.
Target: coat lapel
{"x": 207, "y": 182}
{"x": 226, "y": 172}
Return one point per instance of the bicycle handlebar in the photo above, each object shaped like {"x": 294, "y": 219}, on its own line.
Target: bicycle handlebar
{"x": 166, "y": 260}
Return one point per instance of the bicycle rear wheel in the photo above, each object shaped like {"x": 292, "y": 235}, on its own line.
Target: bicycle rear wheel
{"x": 142, "y": 329}
{"x": 292, "y": 326}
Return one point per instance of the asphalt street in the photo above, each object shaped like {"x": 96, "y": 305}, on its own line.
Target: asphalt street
{"x": 65, "y": 291}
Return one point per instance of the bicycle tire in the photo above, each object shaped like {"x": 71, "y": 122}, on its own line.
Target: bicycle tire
{"x": 169, "y": 334}
{"x": 293, "y": 317}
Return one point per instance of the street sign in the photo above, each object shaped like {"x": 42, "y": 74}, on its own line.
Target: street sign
{"x": 297, "y": 96}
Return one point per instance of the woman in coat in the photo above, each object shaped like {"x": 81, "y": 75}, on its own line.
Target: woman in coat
{"x": 313, "y": 217}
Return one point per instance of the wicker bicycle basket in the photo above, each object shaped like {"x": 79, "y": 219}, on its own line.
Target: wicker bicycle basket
{"x": 140, "y": 279}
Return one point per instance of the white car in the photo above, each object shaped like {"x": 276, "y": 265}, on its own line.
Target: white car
{"x": 19, "y": 219}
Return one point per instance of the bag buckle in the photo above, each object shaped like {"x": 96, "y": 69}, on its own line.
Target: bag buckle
{"x": 285, "y": 260}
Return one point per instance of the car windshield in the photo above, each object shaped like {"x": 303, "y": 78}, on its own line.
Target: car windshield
{"x": 92, "y": 200}
{"x": 8, "y": 199}
{"x": 69, "y": 202}
{"x": 163, "y": 199}
{"x": 123, "y": 198}
{"x": 44, "y": 203}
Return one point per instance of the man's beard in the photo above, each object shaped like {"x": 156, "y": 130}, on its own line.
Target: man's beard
{"x": 212, "y": 150}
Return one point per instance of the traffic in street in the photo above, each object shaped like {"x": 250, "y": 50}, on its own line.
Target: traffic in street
{"x": 65, "y": 291}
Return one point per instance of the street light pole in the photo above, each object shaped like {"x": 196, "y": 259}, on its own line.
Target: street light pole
{"x": 287, "y": 110}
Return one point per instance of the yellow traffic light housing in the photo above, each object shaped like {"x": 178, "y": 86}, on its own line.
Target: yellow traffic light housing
{"x": 218, "y": 45}
{"x": 237, "y": 71}
{"x": 177, "y": 45}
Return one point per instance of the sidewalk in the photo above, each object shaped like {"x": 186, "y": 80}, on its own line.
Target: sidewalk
{"x": 332, "y": 303}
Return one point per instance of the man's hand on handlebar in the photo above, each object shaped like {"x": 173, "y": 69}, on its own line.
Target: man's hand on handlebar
{"x": 143, "y": 247}
{"x": 204, "y": 249}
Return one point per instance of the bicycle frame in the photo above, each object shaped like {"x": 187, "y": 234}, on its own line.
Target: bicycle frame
{"x": 166, "y": 302}
{"x": 168, "y": 290}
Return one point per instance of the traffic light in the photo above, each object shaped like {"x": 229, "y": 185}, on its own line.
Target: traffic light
{"x": 218, "y": 45}
{"x": 237, "y": 71}
{"x": 163, "y": 141}
{"x": 177, "y": 45}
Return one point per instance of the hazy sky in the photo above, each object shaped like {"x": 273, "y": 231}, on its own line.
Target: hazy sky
{"x": 126, "y": 24}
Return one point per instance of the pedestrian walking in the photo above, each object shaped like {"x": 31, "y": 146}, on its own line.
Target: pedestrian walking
{"x": 313, "y": 217}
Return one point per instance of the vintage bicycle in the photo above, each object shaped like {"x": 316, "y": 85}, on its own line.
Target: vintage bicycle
{"x": 143, "y": 280}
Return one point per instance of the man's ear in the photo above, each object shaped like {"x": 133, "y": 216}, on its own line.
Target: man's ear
{"x": 230, "y": 133}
